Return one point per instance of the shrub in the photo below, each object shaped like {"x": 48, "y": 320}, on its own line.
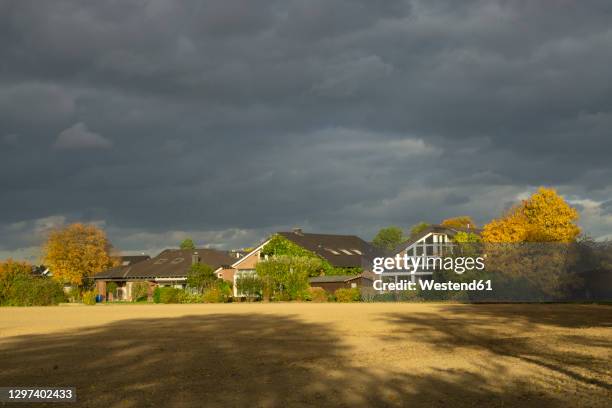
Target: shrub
{"x": 347, "y": 295}
{"x": 111, "y": 287}
{"x": 89, "y": 297}
{"x": 318, "y": 295}
{"x": 408, "y": 296}
{"x": 249, "y": 285}
{"x": 140, "y": 291}
{"x": 368, "y": 294}
{"x": 157, "y": 295}
{"x": 187, "y": 297}
{"x": 19, "y": 288}
{"x": 201, "y": 276}
{"x": 169, "y": 294}
{"x": 219, "y": 294}
{"x": 286, "y": 276}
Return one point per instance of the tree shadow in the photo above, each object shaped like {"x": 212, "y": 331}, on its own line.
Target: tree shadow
{"x": 544, "y": 336}
{"x": 559, "y": 315}
{"x": 236, "y": 360}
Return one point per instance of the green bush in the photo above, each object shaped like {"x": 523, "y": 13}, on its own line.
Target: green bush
{"x": 169, "y": 294}
{"x": 89, "y": 297}
{"x": 29, "y": 291}
{"x": 250, "y": 286}
{"x": 140, "y": 291}
{"x": 111, "y": 287}
{"x": 221, "y": 293}
{"x": 408, "y": 296}
{"x": 187, "y": 297}
{"x": 319, "y": 295}
{"x": 347, "y": 295}
{"x": 157, "y": 295}
{"x": 19, "y": 288}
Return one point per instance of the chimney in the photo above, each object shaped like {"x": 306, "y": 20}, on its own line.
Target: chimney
{"x": 195, "y": 258}
{"x": 298, "y": 231}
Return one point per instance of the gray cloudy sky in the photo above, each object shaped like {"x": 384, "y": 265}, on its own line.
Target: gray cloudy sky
{"x": 226, "y": 120}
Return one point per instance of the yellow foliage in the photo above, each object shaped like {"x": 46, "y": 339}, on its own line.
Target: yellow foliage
{"x": 463, "y": 221}
{"x": 14, "y": 267}
{"x": 543, "y": 217}
{"x": 77, "y": 251}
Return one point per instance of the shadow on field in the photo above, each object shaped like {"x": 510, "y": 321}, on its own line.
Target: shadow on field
{"x": 494, "y": 328}
{"x": 241, "y": 360}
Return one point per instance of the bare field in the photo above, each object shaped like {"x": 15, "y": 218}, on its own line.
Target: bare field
{"x": 275, "y": 355}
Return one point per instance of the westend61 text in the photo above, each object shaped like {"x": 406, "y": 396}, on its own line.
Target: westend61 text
{"x": 475, "y": 285}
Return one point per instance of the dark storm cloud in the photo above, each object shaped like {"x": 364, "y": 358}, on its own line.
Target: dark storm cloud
{"x": 229, "y": 119}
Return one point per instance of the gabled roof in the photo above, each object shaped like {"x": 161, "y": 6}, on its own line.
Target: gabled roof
{"x": 439, "y": 229}
{"x": 344, "y": 251}
{"x": 170, "y": 263}
{"x": 132, "y": 259}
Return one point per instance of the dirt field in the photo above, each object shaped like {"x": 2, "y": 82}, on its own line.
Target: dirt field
{"x": 275, "y": 355}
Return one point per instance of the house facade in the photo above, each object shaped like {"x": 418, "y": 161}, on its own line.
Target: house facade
{"x": 341, "y": 251}
{"x": 434, "y": 241}
{"x": 169, "y": 268}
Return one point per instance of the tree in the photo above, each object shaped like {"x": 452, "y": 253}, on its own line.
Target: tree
{"x": 279, "y": 245}
{"x": 388, "y": 238}
{"x": 76, "y": 252}
{"x": 533, "y": 244}
{"x": 418, "y": 228}
{"x": 543, "y": 217}
{"x": 187, "y": 244}
{"x": 201, "y": 276}
{"x": 18, "y": 287}
{"x": 249, "y": 285}
{"x": 286, "y": 276}
{"x": 463, "y": 221}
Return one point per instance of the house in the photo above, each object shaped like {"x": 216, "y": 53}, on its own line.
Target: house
{"x": 169, "y": 268}
{"x": 342, "y": 251}
{"x": 435, "y": 240}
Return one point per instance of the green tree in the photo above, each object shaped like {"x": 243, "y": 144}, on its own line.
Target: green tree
{"x": 280, "y": 245}
{"x": 418, "y": 228}
{"x": 187, "y": 244}
{"x": 388, "y": 238}
{"x": 201, "y": 277}
{"x": 286, "y": 276}
{"x": 249, "y": 285}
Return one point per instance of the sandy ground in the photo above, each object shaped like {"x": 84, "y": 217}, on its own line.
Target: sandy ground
{"x": 275, "y": 355}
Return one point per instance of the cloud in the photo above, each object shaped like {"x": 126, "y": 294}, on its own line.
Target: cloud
{"x": 79, "y": 137}
{"x": 332, "y": 115}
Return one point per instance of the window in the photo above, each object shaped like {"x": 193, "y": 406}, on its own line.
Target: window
{"x": 177, "y": 261}
{"x": 160, "y": 261}
{"x": 346, "y": 251}
{"x": 353, "y": 284}
{"x": 332, "y": 251}
{"x": 358, "y": 252}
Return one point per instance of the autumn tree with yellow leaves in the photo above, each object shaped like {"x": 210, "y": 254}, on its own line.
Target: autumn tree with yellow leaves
{"x": 535, "y": 245}
{"x": 543, "y": 217}
{"x": 77, "y": 251}
{"x": 463, "y": 221}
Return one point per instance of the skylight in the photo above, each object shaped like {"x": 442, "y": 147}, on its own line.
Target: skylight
{"x": 358, "y": 252}
{"x": 332, "y": 251}
{"x": 346, "y": 251}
